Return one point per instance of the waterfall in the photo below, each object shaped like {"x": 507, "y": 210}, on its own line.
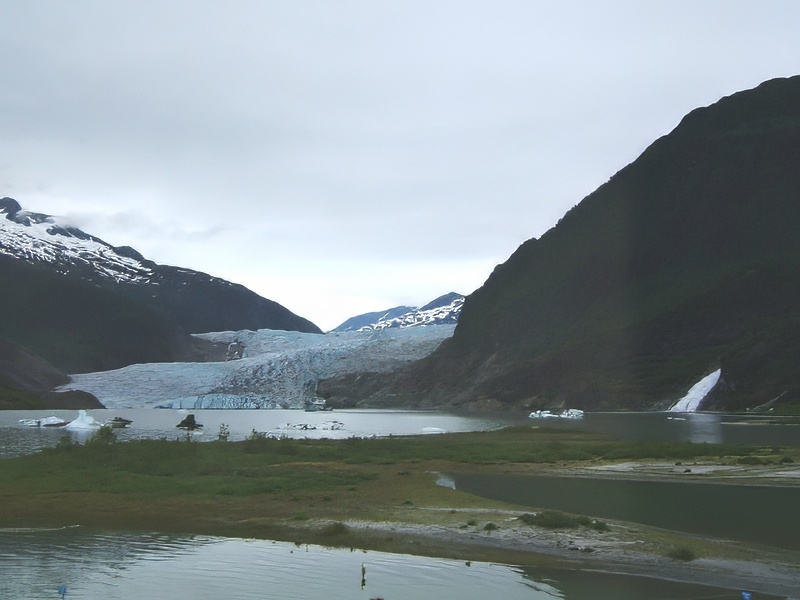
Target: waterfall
{"x": 691, "y": 401}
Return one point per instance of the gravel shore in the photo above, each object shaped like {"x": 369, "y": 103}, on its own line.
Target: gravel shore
{"x": 626, "y": 548}
{"x": 616, "y": 551}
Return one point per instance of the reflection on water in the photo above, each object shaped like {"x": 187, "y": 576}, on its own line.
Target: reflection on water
{"x": 703, "y": 428}
{"x": 122, "y": 566}
{"x": 34, "y": 563}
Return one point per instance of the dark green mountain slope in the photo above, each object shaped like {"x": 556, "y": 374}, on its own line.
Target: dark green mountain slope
{"x": 687, "y": 260}
{"x": 78, "y": 327}
{"x": 26, "y": 383}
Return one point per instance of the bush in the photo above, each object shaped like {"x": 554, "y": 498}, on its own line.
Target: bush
{"x": 335, "y": 528}
{"x": 103, "y": 437}
{"x": 65, "y": 442}
{"x": 553, "y": 519}
{"x": 683, "y": 553}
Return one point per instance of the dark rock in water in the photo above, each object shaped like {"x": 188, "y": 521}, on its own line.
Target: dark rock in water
{"x": 189, "y": 423}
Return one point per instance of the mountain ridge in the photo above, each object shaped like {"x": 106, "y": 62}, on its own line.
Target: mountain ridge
{"x": 443, "y": 310}
{"x": 683, "y": 262}
{"x": 83, "y": 305}
{"x": 221, "y": 305}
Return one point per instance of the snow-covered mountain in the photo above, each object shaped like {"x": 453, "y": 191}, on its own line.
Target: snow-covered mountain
{"x": 267, "y": 369}
{"x": 444, "y": 310}
{"x": 195, "y": 302}
{"x": 40, "y": 238}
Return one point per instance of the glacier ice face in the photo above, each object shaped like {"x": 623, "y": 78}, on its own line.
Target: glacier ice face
{"x": 277, "y": 369}
{"x": 691, "y": 401}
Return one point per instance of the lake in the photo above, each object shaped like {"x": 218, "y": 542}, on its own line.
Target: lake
{"x": 127, "y": 566}
{"x": 160, "y": 423}
{"x": 710, "y": 428}
{"x": 16, "y": 439}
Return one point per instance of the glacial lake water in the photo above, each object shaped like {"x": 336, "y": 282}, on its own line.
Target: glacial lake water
{"x": 149, "y": 423}
{"x": 160, "y": 423}
{"x": 127, "y": 566}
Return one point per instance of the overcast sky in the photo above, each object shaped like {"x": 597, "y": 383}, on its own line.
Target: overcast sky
{"x": 341, "y": 157}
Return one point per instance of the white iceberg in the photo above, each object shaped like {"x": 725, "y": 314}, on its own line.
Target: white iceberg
{"x": 84, "y": 421}
{"x": 44, "y": 422}
{"x": 570, "y": 413}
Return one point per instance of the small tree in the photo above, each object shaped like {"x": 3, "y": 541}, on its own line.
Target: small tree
{"x": 103, "y": 436}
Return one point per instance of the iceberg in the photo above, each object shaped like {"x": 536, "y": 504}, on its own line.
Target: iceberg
{"x": 44, "y": 422}
{"x": 570, "y": 413}
{"x": 84, "y": 421}
{"x": 698, "y": 392}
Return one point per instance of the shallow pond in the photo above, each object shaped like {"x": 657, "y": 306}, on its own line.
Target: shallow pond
{"x": 760, "y": 514}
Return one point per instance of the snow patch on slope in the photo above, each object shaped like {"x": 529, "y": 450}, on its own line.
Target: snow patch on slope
{"x": 425, "y": 316}
{"x": 35, "y": 237}
{"x": 698, "y": 392}
{"x": 277, "y": 369}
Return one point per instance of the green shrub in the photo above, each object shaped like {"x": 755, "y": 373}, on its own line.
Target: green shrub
{"x": 103, "y": 436}
{"x": 334, "y": 529}
{"x": 683, "y": 553}
{"x": 66, "y": 442}
{"x": 553, "y": 519}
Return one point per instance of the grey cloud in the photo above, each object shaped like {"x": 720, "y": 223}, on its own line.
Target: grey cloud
{"x": 355, "y": 131}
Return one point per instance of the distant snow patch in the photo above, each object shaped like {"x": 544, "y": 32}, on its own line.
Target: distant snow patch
{"x": 691, "y": 401}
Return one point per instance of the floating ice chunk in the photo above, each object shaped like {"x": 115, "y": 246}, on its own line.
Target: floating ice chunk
{"x": 84, "y": 421}
{"x": 433, "y": 430}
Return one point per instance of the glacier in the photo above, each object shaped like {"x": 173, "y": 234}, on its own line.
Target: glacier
{"x": 268, "y": 369}
{"x": 698, "y": 392}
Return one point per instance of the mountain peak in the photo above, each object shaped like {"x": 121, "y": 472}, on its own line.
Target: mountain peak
{"x": 9, "y": 206}
{"x": 443, "y": 310}
{"x": 191, "y": 301}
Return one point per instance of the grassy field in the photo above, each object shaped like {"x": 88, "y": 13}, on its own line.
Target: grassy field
{"x": 300, "y": 490}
